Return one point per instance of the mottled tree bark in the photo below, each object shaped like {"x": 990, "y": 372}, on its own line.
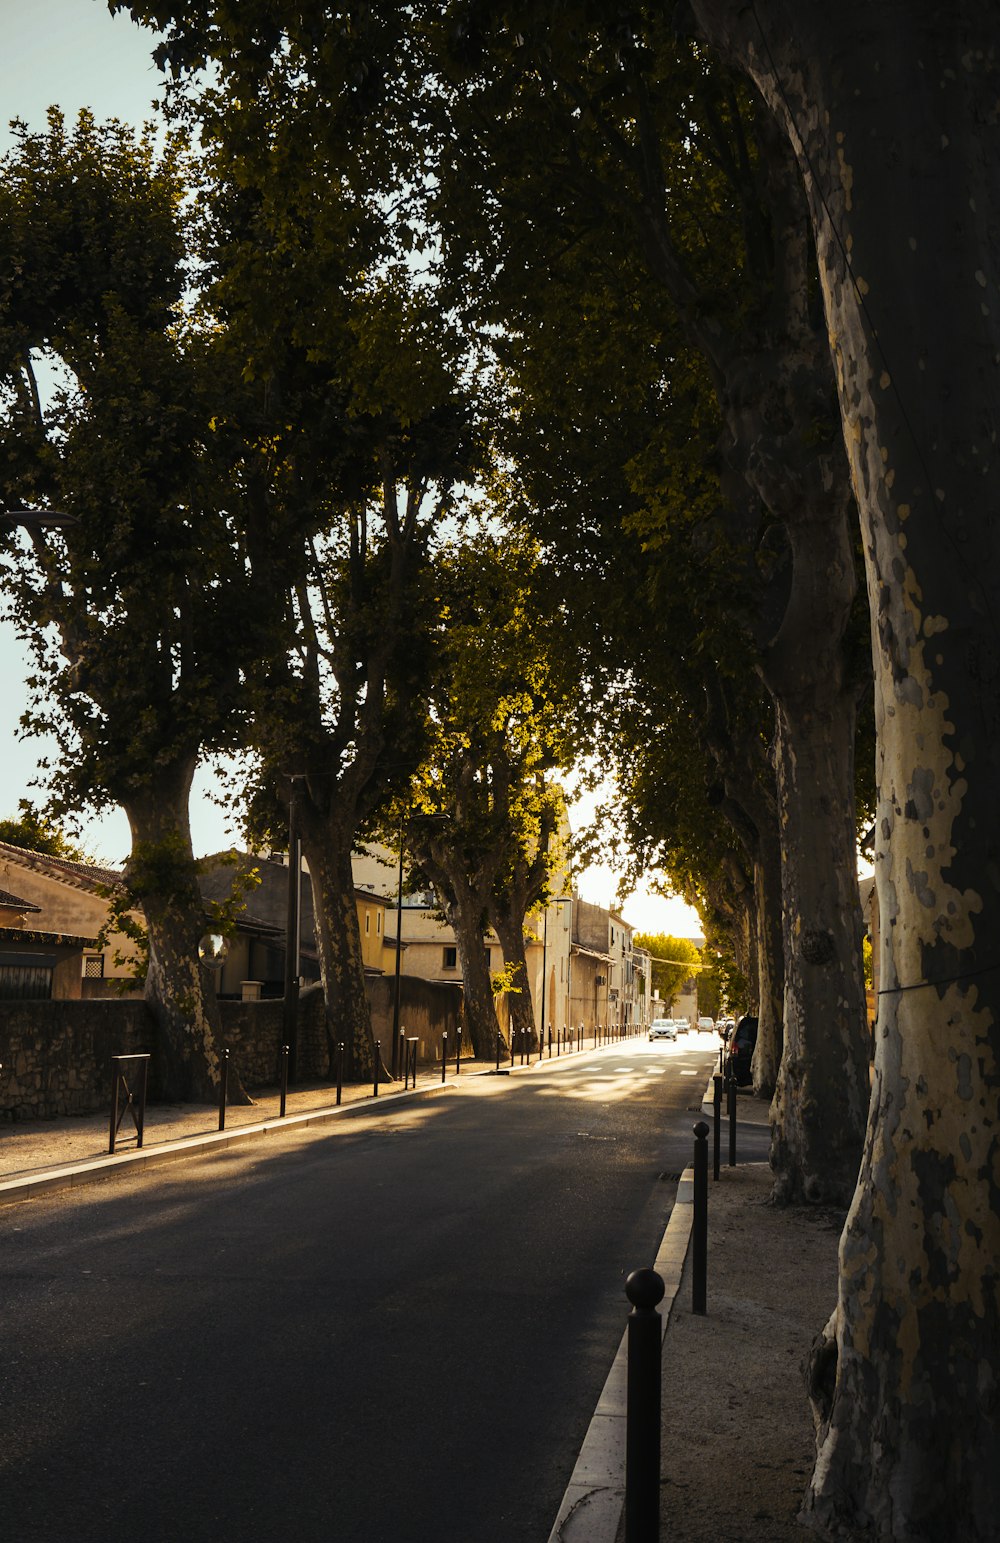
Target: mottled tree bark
{"x": 327, "y": 849}
{"x": 510, "y": 930}
{"x": 465, "y": 909}
{"x": 892, "y": 111}
{"x": 770, "y": 962}
{"x": 180, "y": 992}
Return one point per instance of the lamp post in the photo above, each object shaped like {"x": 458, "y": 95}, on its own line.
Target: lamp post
{"x": 394, "y": 1059}
{"x": 293, "y": 929}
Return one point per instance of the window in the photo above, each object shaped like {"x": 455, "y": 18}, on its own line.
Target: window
{"x": 378, "y": 923}
{"x": 487, "y": 953}
{"x": 450, "y": 958}
{"x": 368, "y": 922}
{"x": 26, "y": 977}
{"x": 93, "y": 966}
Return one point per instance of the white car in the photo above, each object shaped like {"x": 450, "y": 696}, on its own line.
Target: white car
{"x": 663, "y": 1028}
{"x": 706, "y": 1023}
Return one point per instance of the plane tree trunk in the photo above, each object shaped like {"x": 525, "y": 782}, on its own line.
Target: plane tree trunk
{"x": 510, "y": 931}
{"x": 464, "y": 906}
{"x": 180, "y": 992}
{"x": 892, "y": 114}
{"x": 327, "y": 846}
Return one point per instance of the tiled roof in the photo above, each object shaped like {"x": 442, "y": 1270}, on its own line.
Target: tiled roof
{"x": 79, "y": 875}
{"x": 15, "y": 902}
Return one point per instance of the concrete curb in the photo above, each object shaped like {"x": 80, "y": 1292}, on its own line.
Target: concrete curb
{"x": 592, "y": 1506}
{"x": 121, "y": 1164}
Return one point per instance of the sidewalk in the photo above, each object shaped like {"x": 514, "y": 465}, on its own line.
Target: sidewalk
{"x": 737, "y": 1434}
{"x": 51, "y": 1154}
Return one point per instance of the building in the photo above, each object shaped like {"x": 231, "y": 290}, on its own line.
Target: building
{"x": 58, "y": 910}
{"x": 582, "y": 968}
{"x": 255, "y": 961}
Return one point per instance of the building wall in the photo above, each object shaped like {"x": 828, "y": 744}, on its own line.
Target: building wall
{"x": 67, "y": 909}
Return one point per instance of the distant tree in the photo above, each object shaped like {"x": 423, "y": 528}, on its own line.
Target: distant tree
{"x": 672, "y": 960}
{"x": 33, "y": 830}
{"x": 504, "y": 715}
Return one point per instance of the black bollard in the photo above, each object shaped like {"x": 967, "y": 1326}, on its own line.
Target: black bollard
{"x": 378, "y": 1067}
{"x": 458, "y": 1055}
{"x": 732, "y": 1122}
{"x": 717, "y": 1109}
{"x": 644, "y": 1289}
{"x": 223, "y": 1088}
{"x": 284, "y": 1081}
{"x": 699, "y": 1259}
{"x": 550, "y": 1041}
{"x": 499, "y": 1043}
{"x": 340, "y": 1068}
{"x": 444, "y": 1054}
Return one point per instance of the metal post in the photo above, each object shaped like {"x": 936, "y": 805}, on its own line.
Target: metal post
{"x": 732, "y": 1122}
{"x": 223, "y": 1088}
{"x": 550, "y": 1041}
{"x": 340, "y": 1069}
{"x": 717, "y": 1108}
{"x": 644, "y": 1289}
{"x": 499, "y": 1043}
{"x": 116, "y": 1083}
{"x": 458, "y": 1055}
{"x": 399, "y": 1040}
{"x": 522, "y": 1046}
{"x": 394, "y": 1069}
{"x": 283, "y": 1080}
{"x": 444, "y": 1054}
{"x": 559, "y": 1040}
{"x": 378, "y": 1067}
{"x": 290, "y": 1015}
{"x": 699, "y": 1261}
{"x": 141, "y": 1123}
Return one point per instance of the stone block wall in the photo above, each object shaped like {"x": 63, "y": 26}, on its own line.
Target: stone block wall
{"x": 56, "y": 1056}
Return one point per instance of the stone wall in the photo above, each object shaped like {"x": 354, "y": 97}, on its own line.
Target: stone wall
{"x": 56, "y": 1056}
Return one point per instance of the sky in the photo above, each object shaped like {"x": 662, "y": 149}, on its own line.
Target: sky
{"x": 74, "y": 54}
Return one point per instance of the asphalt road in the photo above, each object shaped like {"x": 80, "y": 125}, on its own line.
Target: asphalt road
{"x": 394, "y": 1327}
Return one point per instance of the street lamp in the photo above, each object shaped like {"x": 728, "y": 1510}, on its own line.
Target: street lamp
{"x": 39, "y": 519}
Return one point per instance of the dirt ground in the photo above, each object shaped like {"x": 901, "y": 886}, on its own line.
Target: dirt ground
{"x": 738, "y": 1442}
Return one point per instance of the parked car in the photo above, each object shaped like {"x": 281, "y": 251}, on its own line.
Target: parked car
{"x": 706, "y": 1024}
{"x": 663, "y": 1028}
{"x": 741, "y": 1048}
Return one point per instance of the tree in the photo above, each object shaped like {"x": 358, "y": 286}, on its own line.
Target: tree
{"x": 147, "y": 591}
{"x": 674, "y": 960}
{"x": 504, "y": 716}
{"x": 34, "y": 831}
{"x": 906, "y": 1384}
{"x": 357, "y": 432}
{"x": 564, "y": 122}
